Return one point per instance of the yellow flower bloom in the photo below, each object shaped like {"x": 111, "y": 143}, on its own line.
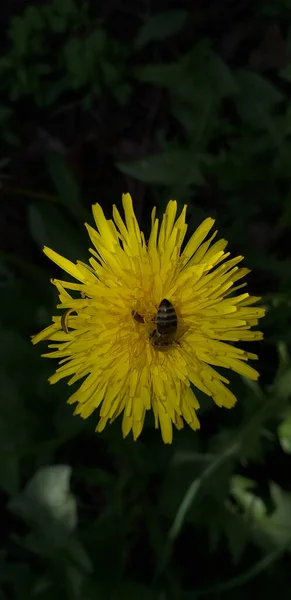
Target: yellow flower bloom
{"x": 106, "y": 334}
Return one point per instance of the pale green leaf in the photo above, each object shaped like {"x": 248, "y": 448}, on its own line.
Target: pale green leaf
{"x": 47, "y": 501}
{"x": 252, "y": 504}
{"x": 284, "y": 432}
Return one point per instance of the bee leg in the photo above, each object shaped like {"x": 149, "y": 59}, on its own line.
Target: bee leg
{"x": 154, "y": 337}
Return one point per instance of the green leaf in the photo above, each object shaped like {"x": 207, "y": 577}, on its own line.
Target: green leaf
{"x": 6, "y": 276}
{"x": 222, "y": 520}
{"x": 68, "y": 8}
{"x": 251, "y": 503}
{"x": 256, "y": 100}
{"x": 15, "y": 423}
{"x": 73, "y": 56}
{"x": 12, "y": 418}
{"x": 33, "y": 18}
{"x": 95, "y": 45}
{"x": 278, "y": 525}
{"x": 241, "y": 579}
{"x": 200, "y": 118}
{"x": 282, "y": 384}
{"x": 285, "y": 73}
{"x": 191, "y": 494}
{"x": 15, "y": 350}
{"x": 162, "y": 75}
{"x": 55, "y": 90}
{"x": 131, "y": 590}
{"x": 46, "y": 502}
{"x": 79, "y": 556}
{"x": 19, "y": 35}
{"x": 5, "y": 114}
{"x": 10, "y": 138}
{"x": 284, "y": 432}
{"x": 160, "y": 26}
{"x": 122, "y": 93}
{"x": 281, "y": 164}
{"x": 49, "y": 227}
{"x": 198, "y": 72}
{"x": 58, "y": 23}
{"x": 205, "y": 67}
{"x": 110, "y": 73}
{"x": 170, "y": 496}
{"x": 262, "y": 90}
{"x": 17, "y": 292}
{"x": 65, "y": 184}
{"x": 166, "y": 168}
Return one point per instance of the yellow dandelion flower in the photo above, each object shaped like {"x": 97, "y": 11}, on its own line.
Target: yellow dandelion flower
{"x": 136, "y": 352}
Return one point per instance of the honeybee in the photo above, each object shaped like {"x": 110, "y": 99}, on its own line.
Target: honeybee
{"x": 166, "y": 326}
{"x": 64, "y": 319}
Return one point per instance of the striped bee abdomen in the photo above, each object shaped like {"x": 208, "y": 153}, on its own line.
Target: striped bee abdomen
{"x": 164, "y": 336}
{"x": 166, "y": 319}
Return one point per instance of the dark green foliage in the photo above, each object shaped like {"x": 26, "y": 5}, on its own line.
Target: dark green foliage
{"x": 193, "y": 103}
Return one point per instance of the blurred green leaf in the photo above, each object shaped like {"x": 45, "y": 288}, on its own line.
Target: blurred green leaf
{"x": 16, "y": 292}
{"x": 19, "y": 35}
{"x": 65, "y": 184}
{"x": 278, "y": 525}
{"x": 160, "y": 26}
{"x": 285, "y": 73}
{"x": 205, "y": 67}
{"x": 10, "y": 429}
{"x": 256, "y": 100}
{"x": 285, "y": 217}
{"x": 7, "y": 276}
{"x": 131, "y": 590}
{"x": 4, "y": 162}
{"x": 222, "y": 520}
{"x": 282, "y": 384}
{"x": 284, "y": 432}
{"x": 163, "y": 75}
{"x": 33, "y": 18}
{"x": 242, "y": 579}
{"x": 170, "y": 496}
{"x": 199, "y": 117}
{"x": 189, "y": 497}
{"x": 16, "y": 425}
{"x": 237, "y": 532}
{"x": 240, "y": 488}
{"x": 200, "y": 69}
{"x": 166, "y": 168}
{"x": 95, "y": 476}
{"x": 49, "y": 227}
{"x": 262, "y": 90}
{"x": 15, "y": 351}
{"x": 79, "y": 556}
{"x": 11, "y": 138}
{"x": 5, "y": 114}
{"x": 47, "y": 503}
{"x": 95, "y": 45}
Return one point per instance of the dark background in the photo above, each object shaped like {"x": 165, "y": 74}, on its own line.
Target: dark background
{"x": 185, "y": 100}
